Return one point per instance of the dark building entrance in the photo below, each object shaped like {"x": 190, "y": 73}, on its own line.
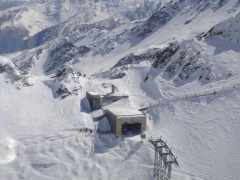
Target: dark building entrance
{"x": 134, "y": 128}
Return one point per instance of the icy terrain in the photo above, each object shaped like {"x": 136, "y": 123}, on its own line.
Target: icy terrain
{"x": 178, "y": 60}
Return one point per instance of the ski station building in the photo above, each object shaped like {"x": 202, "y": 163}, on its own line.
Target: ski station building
{"x": 122, "y": 120}
{"x": 120, "y": 117}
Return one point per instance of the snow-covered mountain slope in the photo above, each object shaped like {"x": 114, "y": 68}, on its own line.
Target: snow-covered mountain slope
{"x": 177, "y": 59}
{"x": 66, "y": 82}
{"x": 115, "y": 36}
{"x": 13, "y": 74}
{"x": 226, "y": 30}
{"x": 33, "y": 17}
{"x": 203, "y": 126}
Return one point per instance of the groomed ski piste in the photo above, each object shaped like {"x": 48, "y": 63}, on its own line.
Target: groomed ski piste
{"x": 199, "y": 121}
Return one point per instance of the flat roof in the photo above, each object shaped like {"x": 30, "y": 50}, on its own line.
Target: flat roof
{"x": 125, "y": 112}
{"x": 93, "y": 93}
{"x": 115, "y": 95}
{"x": 98, "y": 113}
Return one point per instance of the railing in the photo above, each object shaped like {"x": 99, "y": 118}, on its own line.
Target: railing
{"x": 211, "y": 91}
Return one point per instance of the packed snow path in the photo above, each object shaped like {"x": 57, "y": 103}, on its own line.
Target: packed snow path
{"x": 209, "y": 91}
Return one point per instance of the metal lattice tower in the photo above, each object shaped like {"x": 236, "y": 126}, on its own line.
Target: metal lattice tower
{"x": 163, "y": 160}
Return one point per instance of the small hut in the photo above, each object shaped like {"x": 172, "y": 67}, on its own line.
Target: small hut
{"x": 94, "y": 99}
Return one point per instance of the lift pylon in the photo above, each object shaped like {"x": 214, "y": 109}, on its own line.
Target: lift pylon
{"x": 163, "y": 160}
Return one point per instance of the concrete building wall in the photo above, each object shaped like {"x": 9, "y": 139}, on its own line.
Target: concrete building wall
{"x": 118, "y": 130}
{"x": 111, "y": 120}
{"x": 143, "y": 124}
{"x": 130, "y": 120}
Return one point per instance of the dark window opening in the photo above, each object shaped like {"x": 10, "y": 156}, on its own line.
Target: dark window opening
{"x": 134, "y": 128}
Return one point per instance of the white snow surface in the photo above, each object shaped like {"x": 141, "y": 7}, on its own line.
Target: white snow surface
{"x": 201, "y": 130}
{"x": 36, "y": 15}
{"x": 201, "y": 126}
{"x": 6, "y": 62}
{"x": 125, "y": 112}
{"x": 7, "y": 150}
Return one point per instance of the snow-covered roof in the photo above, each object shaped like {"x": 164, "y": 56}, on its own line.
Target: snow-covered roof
{"x": 98, "y": 113}
{"x": 92, "y": 93}
{"x": 125, "y": 112}
{"x": 115, "y": 95}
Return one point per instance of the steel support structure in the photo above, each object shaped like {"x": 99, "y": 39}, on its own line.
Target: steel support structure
{"x": 163, "y": 160}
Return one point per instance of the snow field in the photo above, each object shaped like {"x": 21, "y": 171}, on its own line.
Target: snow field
{"x": 203, "y": 131}
{"x": 200, "y": 130}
